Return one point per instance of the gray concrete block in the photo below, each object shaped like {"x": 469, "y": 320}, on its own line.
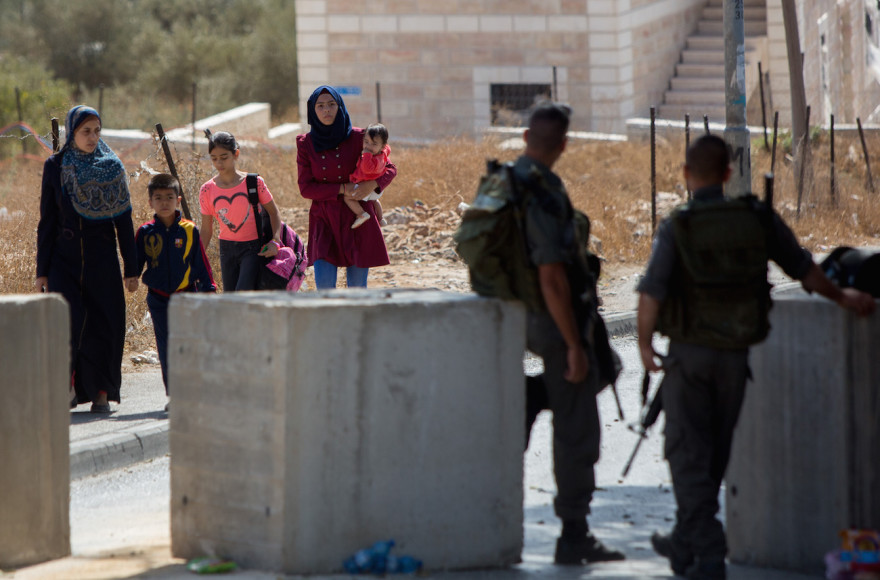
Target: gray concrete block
{"x": 805, "y": 463}
{"x": 35, "y": 477}
{"x": 308, "y": 426}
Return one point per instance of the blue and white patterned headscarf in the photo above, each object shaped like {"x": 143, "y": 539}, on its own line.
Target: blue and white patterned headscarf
{"x": 95, "y": 182}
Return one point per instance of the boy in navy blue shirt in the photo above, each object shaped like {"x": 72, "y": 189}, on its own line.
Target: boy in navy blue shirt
{"x": 176, "y": 262}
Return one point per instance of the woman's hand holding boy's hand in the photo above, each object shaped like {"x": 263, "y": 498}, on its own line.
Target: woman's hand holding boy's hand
{"x": 131, "y": 284}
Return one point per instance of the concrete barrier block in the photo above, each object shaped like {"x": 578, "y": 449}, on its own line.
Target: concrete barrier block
{"x": 34, "y": 424}
{"x": 308, "y": 426}
{"x": 805, "y": 463}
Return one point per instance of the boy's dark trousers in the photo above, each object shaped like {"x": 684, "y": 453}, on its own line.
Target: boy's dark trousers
{"x": 158, "y": 305}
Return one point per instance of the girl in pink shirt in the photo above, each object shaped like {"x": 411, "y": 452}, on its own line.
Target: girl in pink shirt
{"x": 371, "y": 165}
{"x": 224, "y": 198}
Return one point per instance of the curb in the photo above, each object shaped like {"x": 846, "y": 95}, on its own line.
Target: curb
{"x": 102, "y": 453}
{"x": 620, "y": 324}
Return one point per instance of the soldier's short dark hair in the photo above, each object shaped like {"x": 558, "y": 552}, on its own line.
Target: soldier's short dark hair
{"x": 707, "y": 159}
{"x": 163, "y": 181}
{"x": 548, "y": 125}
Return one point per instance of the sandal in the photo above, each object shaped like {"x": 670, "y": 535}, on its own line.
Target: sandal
{"x": 99, "y": 408}
{"x": 361, "y": 220}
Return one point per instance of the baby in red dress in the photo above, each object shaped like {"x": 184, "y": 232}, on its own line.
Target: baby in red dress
{"x": 371, "y": 165}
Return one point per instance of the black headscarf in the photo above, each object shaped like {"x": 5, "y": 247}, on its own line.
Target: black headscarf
{"x": 328, "y": 136}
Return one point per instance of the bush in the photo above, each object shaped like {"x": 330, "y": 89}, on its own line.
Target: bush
{"x": 41, "y": 96}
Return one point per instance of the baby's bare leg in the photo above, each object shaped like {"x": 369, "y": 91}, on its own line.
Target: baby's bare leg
{"x": 378, "y": 207}
{"x": 354, "y": 206}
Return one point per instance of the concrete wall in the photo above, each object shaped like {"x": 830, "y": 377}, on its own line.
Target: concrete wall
{"x": 805, "y": 463}
{"x": 850, "y": 90}
{"x": 34, "y": 420}
{"x": 308, "y": 426}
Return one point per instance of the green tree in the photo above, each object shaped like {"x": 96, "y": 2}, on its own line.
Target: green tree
{"x": 268, "y": 71}
{"x": 87, "y": 43}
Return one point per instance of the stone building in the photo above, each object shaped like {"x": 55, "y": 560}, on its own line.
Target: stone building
{"x": 435, "y": 69}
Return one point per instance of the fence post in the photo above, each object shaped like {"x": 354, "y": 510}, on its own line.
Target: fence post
{"x": 54, "y": 134}
{"x": 775, "y": 130}
{"x": 194, "y": 117}
{"x": 172, "y": 169}
{"x": 21, "y": 121}
{"x": 687, "y": 144}
{"x": 865, "y": 153}
{"x": 805, "y": 147}
{"x": 378, "y": 103}
{"x": 833, "y": 183}
{"x": 653, "y": 174}
{"x": 763, "y": 108}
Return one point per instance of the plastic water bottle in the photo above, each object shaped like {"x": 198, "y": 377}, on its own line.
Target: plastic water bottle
{"x": 380, "y": 556}
{"x": 359, "y": 562}
{"x": 372, "y": 560}
{"x": 408, "y": 565}
{"x": 402, "y": 564}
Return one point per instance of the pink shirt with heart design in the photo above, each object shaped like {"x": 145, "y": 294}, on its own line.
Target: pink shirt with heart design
{"x": 231, "y": 209}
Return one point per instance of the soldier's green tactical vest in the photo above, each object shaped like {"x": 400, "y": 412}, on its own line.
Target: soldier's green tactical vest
{"x": 719, "y": 295}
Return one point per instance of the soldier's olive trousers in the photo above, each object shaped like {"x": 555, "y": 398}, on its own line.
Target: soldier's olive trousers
{"x": 703, "y": 391}
{"x": 576, "y": 429}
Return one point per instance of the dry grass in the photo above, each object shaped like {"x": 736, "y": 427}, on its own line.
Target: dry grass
{"x": 610, "y": 181}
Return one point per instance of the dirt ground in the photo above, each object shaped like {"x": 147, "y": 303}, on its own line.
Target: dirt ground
{"x": 420, "y": 246}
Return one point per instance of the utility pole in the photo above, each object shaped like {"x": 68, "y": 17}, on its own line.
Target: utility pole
{"x": 795, "y": 75}
{"x": 798, "y": 92}
{"x": 736, "y": 133}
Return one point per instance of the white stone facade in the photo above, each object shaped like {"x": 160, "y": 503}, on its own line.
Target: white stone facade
{"x": 434, "y": 63}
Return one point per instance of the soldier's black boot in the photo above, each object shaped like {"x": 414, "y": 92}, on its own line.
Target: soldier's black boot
{"x": 577, "y": 546}
{"x": 679, "y": 558}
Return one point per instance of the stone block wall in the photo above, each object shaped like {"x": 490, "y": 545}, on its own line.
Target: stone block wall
{"x": 435, "y": 62}
{"x": 306, "y": 427}
{"x": 34, "y": 425}
{"x": 805, "y": 463}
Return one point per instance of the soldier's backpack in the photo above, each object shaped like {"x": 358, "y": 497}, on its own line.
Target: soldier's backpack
{"x": 287, "y": 270}
{"x": 492, "y": 242}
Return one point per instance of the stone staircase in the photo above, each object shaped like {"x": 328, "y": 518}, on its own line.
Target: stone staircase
{"x": 698, "y": 85}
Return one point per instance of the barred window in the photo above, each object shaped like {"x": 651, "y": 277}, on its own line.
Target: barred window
{"x": 513, "y": 102}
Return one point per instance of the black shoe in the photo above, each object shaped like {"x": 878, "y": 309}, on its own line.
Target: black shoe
{"x": 679, "y": 559}
{"x": 98, "y": 408}
{"x": 707, "y": 570}
{"x": 576, "y": 551}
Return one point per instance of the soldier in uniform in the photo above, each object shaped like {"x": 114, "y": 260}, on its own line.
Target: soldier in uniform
{"x": 706, "y": 288}
{"x": 560, "y": 334}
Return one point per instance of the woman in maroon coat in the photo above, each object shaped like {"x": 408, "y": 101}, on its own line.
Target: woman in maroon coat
{"x": 326, "y": 157}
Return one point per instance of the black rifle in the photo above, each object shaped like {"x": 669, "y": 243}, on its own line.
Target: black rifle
{"x": 650, "y": 413}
